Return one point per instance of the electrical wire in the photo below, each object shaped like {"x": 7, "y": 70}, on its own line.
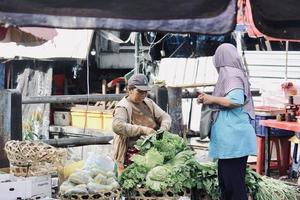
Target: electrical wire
{"x": 177, "y": 48}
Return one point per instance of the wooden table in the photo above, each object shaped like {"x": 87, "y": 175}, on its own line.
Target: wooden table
{"x": 289, "y": 126}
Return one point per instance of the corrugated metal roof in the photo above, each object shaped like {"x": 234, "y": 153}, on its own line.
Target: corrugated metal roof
{"x": 67, "y": 44}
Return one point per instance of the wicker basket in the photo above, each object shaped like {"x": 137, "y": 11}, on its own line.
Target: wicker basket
{"x": 145, "y": 194}
{"x": 29, "y": 158}
{"x": 111, "y": 195}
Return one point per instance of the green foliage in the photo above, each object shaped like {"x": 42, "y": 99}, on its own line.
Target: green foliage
{"x": 165, "y": 161}
{"x": 261, "y": 188}
{"x": 132, "y": 176}
{"x": 150, "y": 160}
{"x": 169, "y": 145}
{"x": 272, "y": 189}
{"x": 29, "y": 127}
{"x": 158, "y": 178}
{"x": 168, "y": 162}
{"x": 208, "y": 180}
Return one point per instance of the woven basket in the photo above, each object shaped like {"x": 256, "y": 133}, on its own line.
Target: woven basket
{"x": 145, "y": 194}
{"x": 111, "y": 195}
{"x": 29, "y": 158}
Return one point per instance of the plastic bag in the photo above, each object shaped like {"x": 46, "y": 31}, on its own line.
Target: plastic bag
{"x": 65, "y": 186}
{"x": 94, "y": 160}
{"x": 80, "y": 177}
{"x": 100, "y": 179}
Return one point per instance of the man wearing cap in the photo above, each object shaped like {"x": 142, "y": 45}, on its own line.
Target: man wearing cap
{"x": 135, "y": 115}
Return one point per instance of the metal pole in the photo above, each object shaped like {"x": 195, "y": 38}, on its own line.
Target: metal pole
{"x": 81, "y": 141}
{"x": 267, "y": 151}
{"x": 286, "y": 60}
{"x": 137, "y": 53}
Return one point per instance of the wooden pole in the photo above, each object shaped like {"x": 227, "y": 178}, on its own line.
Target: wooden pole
{"x": 72, "y": 98}
{"x": 195, "y": 85}
{"x": 103, "y": 86}
{"x": 175, "y": 109}
{"x": 118, "y": 88}
{"x": 137, "y": 53}
{"x": 10, "y": 120}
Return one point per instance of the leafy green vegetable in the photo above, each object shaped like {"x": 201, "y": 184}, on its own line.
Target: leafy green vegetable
{"x": 208, "y": 180}
{"x": 183, "y": 157}
{"x": 145, "y": 143}
{"x": 158, "y": 178}
{"x": 269, "y": 188}
{"x": 132, "y": 176}
{"x": 261, "y": 188}
{"x": 169, "y": 145}
{"x": 168, "y": 163}
{"x": 151, "y": 159}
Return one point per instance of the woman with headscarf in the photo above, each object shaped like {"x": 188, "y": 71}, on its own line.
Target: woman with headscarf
{"x": 232, "y": 137}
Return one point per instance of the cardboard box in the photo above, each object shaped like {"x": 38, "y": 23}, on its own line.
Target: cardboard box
{"x": 36, "y": 187}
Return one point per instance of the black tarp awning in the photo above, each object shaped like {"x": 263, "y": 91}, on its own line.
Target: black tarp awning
{"x": 200, "y": 16}
{"x": 277, "y": 18}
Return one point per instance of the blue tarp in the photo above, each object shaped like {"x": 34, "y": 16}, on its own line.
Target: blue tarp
{"x": 2, "y": 76}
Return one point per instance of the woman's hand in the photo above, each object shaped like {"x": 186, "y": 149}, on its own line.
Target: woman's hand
{"x": 222, "y": 101}
{"x": 289, "y": 88}
{"x": 205, "y": 98}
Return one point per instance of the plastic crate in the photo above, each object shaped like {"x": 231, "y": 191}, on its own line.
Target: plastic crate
{"x": 107, "y": 120}
{"x": 92, "y": 120}
{"x": 261, "y": 130}
{"x": 87, "y": 117}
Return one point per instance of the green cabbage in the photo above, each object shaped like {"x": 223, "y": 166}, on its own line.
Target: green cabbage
{"x": 151, "y": 159}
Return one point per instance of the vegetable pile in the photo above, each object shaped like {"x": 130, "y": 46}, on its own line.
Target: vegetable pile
{"x": 165, "y": 162}
{"x": 260, "y": 187}
{"x": 162, "y": 163}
